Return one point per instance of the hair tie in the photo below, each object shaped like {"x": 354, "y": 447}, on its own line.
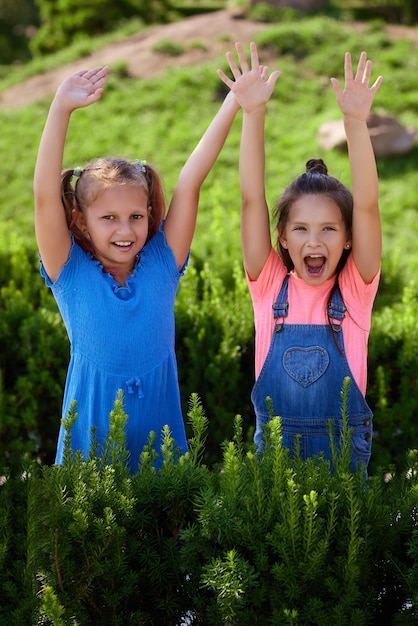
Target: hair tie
{"x": 77, "y": 171}
{"x": 141, "y": 165}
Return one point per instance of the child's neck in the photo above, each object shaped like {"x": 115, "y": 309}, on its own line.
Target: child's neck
{"x": 118, "y": 273}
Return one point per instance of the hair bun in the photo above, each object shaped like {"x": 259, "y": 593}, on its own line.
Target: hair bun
{"x": 316, "y": 166}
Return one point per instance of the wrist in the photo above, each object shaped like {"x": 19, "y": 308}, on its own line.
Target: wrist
{"x": 257, "y": 111}
{"x": 232, "y": 102}
{"x": 60, "y": 107}
{"x": 354, "y": 122}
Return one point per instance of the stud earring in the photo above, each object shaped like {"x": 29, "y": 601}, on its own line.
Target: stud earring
{"x": 347, "y": 245}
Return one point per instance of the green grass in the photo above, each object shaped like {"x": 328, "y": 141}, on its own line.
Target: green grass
{"x": 161, "y": 120}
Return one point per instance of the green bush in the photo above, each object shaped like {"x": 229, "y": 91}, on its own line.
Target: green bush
{"x": 107, "y": 548}
{"x": 69, "y": 20}
{"x": 263, "y": 540}
{"x": 393, "y": 359}
{"x": 18, "y": 600}
{"x": 215, "y": 350}
{"x": 33, "y": 357}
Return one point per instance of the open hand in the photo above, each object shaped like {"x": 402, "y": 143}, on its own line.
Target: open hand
{"x": 83, "y": 88}
{"x": 355, "y": 100}
{"x": 251, "y": 86}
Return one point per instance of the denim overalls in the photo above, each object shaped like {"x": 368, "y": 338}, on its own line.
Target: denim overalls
{"x": 303, "y": 375}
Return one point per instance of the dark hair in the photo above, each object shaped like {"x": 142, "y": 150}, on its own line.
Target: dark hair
{"x": 314, "y": 181}
{"x": 100, "y": 174}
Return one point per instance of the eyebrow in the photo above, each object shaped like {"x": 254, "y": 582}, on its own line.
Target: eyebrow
{"x": 326, "y": 223}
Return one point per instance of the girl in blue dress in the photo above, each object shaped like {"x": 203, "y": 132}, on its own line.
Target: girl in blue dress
{"x": 113, "y": 259}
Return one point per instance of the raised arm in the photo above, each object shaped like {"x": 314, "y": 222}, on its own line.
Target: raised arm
{"x": 355, "y": 102}
{"x": 252, "y": 89}
{"x": 180, "y": 223}
{"x": 53, "y": 238}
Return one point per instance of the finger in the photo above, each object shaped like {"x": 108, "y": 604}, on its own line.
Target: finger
{"x": 99, "y": 79}
{"x": 336, "y": 87}
{"x": 348, "y": 67}
{"x": 81, "y": 73}
{"x": 362, "y": 67}
{"x": 232, "y": 64}
{"x": 273, "y": 78}
{"x": 263, "y": 72}
{"x": 376, "y": 84}
{"x": 224, "y": 78}
{"x": 367, "y": 72}
{"x": 254, "y": 56}
{"x": 92, "y": 97}
{"x": 95, "y": 72}
{"x": 241, "y": 57}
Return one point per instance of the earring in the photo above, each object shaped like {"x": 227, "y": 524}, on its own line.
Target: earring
{"x": 347, "y": 245}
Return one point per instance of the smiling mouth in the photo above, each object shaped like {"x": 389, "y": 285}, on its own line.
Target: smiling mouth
{"x": 122, "y": 244}
{"x": 315, "y": 264}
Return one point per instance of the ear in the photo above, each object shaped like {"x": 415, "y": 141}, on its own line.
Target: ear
{"x": 282, "y": 238}
{"x": 79, "y": 220}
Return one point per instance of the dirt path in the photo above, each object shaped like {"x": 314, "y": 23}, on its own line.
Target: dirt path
{"x": 215, "y": 33}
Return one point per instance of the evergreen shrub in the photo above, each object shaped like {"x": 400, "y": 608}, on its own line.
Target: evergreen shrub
{"x": 263, "y": 539}
{"x": 33, "y": 357}
{"x": 18, "y": 600}
{"x": 393, "y": 370}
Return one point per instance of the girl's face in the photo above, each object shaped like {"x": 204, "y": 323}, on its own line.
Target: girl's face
{"x": 116, "y": 224}
{"x": 315, "y": 237}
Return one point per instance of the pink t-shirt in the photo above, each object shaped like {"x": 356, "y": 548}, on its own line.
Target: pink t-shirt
{"x": 308, "y": 305}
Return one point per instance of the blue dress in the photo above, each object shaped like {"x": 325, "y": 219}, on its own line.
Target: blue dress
{"x": 121, "y": 338}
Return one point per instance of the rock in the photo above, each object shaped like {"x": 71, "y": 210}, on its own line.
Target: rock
{"x": 387, "y": 135}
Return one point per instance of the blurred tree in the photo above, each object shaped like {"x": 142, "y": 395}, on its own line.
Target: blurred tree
{"x": 63, "y": 21}
{"x": 18, "y": 21}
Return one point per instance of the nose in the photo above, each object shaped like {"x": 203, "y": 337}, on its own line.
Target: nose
{"x": 314, "y": 239}
{"x": 124, "y": 226}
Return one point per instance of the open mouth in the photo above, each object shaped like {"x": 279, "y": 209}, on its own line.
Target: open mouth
{"x": 315, "y": 264}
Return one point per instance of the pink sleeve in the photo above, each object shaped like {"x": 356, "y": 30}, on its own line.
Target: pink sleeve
{"x": 271, "y": 275}
{"x": 358, "y": 296}
{"x": 264, "y": 292}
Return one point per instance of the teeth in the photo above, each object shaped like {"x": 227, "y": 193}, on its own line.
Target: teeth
{"x": 123, "y": 244}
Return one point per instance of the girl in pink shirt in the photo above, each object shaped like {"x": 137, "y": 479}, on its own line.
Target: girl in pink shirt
{"x": 313, "y": 297}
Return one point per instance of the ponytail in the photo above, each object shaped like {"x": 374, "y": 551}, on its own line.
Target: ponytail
{"x": 71, "y": 206}
{"x": 156, "y": 199}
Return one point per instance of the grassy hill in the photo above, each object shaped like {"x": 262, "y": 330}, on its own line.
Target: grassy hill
{"x": 162, "y": 119}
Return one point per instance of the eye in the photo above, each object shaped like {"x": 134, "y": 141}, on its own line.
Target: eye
{"x": 329, "y": 228}
{"x": 137, "y": 216}
{"x": 108, "y": 217}
{"x": 302, "y": 228}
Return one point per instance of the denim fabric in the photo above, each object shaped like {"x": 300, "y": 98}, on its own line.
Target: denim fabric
{"x": 303, "y": 375}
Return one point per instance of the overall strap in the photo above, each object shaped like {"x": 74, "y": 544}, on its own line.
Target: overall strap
{"x": 281, "y": 306}
{"x": 336, "y": 308}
